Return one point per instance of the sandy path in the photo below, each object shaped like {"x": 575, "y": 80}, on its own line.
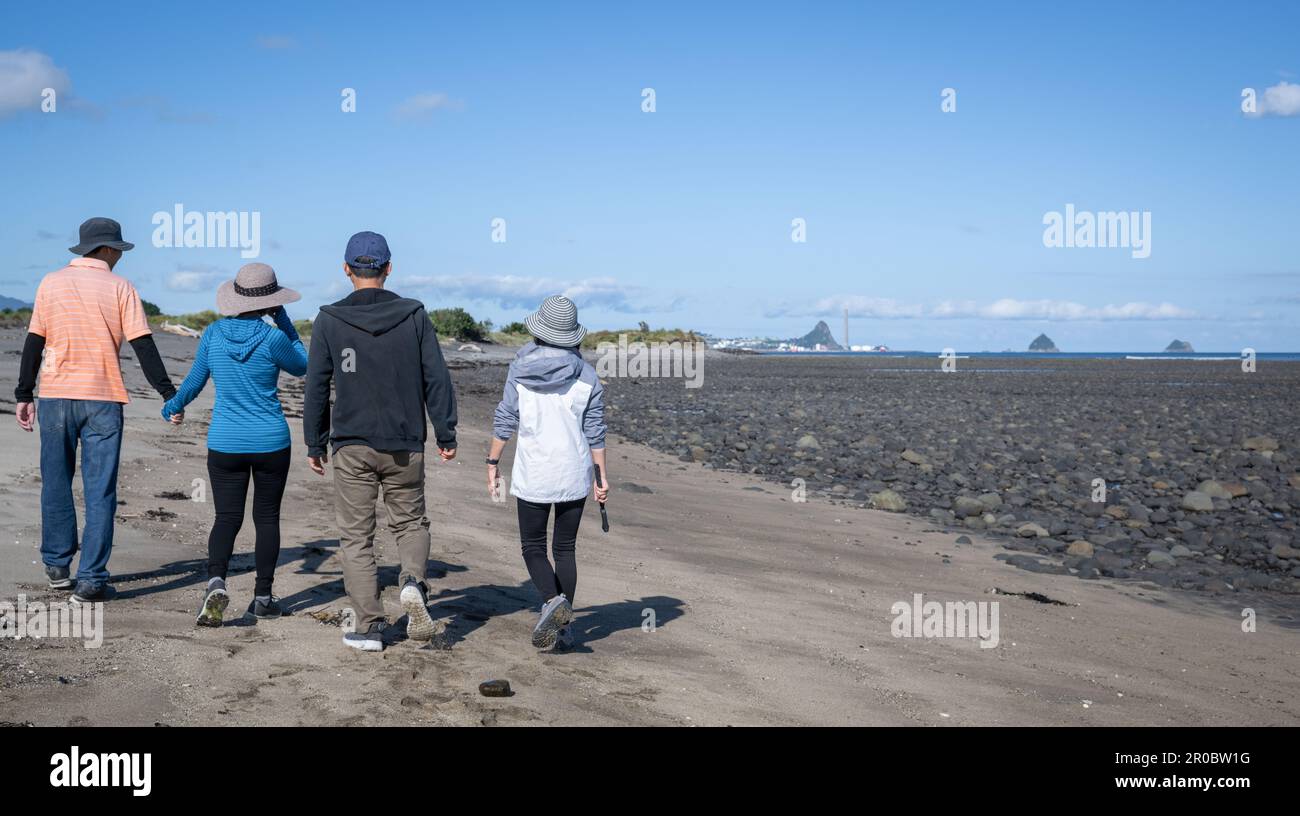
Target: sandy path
{"x": 768, "y": 612}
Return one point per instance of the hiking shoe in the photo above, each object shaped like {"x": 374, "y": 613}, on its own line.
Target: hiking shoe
{"x": 371, "y": 640}
{"x": 555, "y": 614}
{"x": 87, "y": 592}
{"x": 420, "y": 625}
{"x": 565, "y": 639}
{"x": 59, "y": 577}
{"x": 266, "y": 608}
{"x": 214, "y": 604}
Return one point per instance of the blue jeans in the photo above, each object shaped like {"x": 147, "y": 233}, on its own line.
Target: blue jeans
{"x": 97, "y": 426}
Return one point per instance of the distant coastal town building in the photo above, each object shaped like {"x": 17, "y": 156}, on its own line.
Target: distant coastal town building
{"x": 819, "y": 339}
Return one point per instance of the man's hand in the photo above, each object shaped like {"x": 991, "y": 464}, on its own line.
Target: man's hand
{"x": 317, "y": 463}
{"x": 494, "y": 477}
{"x": 447, "y": 454}
{"x": 26, "y": 415}
{"x": 178, "y": 418}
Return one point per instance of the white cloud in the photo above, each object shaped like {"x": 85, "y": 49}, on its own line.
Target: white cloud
{"x": 518, "y": 292}
{"x": 422, "y": 105}
{"x": 858, "y": 306}
{"x": 1011, "y": 309}
{"x": 1003, "y": 309}
{"x": 24, "y": 75}
{"x": 196, "y": 278}
{"x": 1283, "y": 99}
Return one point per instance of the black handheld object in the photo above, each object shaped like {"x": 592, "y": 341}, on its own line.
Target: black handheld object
{"x": 604, "y": 517}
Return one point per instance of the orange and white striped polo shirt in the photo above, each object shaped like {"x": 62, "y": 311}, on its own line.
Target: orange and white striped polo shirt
{"x": 84, "y": 312}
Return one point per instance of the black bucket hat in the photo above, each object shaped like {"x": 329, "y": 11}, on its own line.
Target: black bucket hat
{"x": 99, "y": 232}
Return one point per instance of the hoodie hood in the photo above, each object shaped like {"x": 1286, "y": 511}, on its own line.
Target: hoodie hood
{"x": 374, "y": 311}
{"x": 241, "y": 336}
{"x": 546, "y": 368}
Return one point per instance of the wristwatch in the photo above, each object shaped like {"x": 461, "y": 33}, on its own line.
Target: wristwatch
{"x": 493, "y": 461}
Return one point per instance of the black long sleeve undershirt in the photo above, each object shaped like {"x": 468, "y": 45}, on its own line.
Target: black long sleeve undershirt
{"x": 33, "y": 348}
{"x": 152, "y": 365}
{"x": 145, "y": 351}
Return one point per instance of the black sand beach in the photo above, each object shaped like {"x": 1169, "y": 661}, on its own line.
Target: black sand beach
{"x": 716, "y": 598}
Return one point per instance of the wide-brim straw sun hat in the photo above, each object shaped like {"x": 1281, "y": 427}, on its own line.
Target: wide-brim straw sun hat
{"x": 253, "y": 288}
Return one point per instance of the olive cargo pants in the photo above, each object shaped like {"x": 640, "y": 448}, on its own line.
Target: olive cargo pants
{"x": 359, "y": 474}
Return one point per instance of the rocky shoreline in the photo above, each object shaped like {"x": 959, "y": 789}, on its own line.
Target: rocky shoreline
{"x": 1199, "y": 460}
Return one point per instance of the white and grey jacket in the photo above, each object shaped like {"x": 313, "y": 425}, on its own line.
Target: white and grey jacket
{"x": 555, "y": 403}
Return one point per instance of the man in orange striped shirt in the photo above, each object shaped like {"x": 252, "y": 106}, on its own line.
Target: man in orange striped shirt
{"x": 82, "y": 314}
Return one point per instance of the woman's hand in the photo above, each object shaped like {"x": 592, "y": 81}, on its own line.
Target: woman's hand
{"x": 177, "y": 418}
{"x": 494, "y": 481}
{"x": 601, "y": 490}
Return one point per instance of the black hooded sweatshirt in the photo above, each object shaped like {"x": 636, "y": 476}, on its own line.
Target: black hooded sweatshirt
{"x": 381, "y": 352}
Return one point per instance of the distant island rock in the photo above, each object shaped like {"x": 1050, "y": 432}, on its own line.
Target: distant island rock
{"x": 820, "y": 335}
{"x": 1043, "y": 343}
{"x": 1181, "y": 345}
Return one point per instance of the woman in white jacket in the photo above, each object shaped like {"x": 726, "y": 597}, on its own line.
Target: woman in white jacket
{"x": 556, "y": 404}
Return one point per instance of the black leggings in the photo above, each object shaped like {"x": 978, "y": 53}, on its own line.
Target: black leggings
{"x": 228, "y": 473}
{"x": 532, "y": 533}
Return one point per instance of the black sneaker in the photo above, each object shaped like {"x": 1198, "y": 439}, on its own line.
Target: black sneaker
{"x": 266, "y": 608}
{"x": 420, "y": 625}
{"x": 87, "y": 592}
{"x": 371, "y": 640}
{"x": 214, "y": 604}
{"x": 59, "y": 577}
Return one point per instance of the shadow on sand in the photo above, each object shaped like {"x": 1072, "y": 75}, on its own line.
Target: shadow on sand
{"x": 464, "y": 610}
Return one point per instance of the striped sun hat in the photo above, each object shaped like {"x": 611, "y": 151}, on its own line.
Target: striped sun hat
{"x": 556, "y": 322}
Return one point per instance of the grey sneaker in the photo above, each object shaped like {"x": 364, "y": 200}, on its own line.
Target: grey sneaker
{"x": 371, "y": 640}
{"x": 420, "y": 625}
{"x": 266, "y": 607}
{"x": 555, "y": 614}
{"x": 59, "y": 577}
{"x": 214, "y": 604}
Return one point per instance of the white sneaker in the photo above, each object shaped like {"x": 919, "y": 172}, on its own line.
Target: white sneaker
{"x": 420, "y": 625}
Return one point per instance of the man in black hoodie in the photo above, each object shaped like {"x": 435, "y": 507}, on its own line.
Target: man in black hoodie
{"x": 381, "y": 353}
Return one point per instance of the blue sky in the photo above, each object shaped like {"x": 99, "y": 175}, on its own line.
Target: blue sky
{"x": 927, "y": 225}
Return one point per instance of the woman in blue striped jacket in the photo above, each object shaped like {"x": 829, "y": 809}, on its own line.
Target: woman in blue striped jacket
{"x": 248, "y": 435}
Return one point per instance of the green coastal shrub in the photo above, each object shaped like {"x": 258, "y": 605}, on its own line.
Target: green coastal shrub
{"x": 639, "y": 335}
{"x": 459, "y": 324}
{"x": 195, "y": 320}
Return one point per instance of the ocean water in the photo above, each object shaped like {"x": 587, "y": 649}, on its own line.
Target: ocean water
{"x": 1283, "y": 356}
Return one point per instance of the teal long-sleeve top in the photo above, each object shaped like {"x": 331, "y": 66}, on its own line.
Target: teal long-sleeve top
{"x": 244, "y": 357}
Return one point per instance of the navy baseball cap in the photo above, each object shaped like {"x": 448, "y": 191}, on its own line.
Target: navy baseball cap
{"x": 367, "y": 250}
